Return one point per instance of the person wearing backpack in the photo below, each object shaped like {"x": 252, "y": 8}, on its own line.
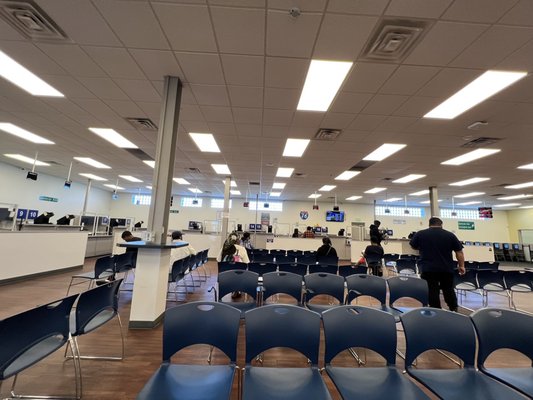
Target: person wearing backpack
{"x": 232, "y": 251}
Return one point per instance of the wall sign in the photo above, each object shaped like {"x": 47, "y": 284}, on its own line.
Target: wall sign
{"x": 265, "y": 218}
{"x": 32, "y": 214}
{"x": 304, "y": 215}
{"x": 399, "y": 221}
{"x": 48, "y": 198}
{"x": 466, "y": 225}
{"x": 174, "y": 211}
{"x": 21, "y": 213}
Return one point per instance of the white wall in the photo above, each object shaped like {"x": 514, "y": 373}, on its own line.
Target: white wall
{"x": 16, "y": 189}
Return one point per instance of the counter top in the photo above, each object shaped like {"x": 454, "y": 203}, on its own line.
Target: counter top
{"x": 149, "y": 245}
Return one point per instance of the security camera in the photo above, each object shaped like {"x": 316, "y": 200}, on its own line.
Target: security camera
{"x": 295, "y": 12}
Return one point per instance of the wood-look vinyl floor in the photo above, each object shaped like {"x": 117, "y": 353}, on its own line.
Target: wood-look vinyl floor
{"x": 123, "y": 380}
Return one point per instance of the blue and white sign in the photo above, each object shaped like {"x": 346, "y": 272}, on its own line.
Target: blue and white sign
{"x": 21, "y": 213}
{"x": 32, "y": 214}
{"x": 304, "y": 215}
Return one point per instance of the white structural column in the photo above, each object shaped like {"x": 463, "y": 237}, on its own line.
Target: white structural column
{"x": 434, "y": 201}
{"x": 86, "y": 199}
{"x": 225, "y": 211}
{"x": 151, "y": 277}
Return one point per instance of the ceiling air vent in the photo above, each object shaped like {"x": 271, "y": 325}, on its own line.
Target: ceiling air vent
{"x": 31, "y": 21}
{"x": 481, "y": 142}
{"x": 393, "y": 39}
{"x": 193, "y": 170}
{"x": 253, "y": 183}
{"x": 143, "y": 124}
{"x": 299, "y": 175}
{"x": 327, "y": 134}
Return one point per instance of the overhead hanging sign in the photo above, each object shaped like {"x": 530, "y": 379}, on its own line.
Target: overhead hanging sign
{"x": 48, "y": 198}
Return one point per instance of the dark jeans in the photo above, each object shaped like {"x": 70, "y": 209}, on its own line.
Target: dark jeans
{"x": 438, "y": 281}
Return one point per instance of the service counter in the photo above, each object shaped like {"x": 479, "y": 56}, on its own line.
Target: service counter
{"x": 49, "y": 228}
{"x": 340, "y": 244}
{"x": 27, "y": 253}
{"x": 99, "y": 245}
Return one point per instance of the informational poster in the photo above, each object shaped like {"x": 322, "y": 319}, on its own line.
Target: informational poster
{"x": 265, "y": 218}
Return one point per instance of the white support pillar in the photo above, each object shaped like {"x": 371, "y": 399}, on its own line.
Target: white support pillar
{"x": 434, "y": 201}
{"x": 225, "y": 211}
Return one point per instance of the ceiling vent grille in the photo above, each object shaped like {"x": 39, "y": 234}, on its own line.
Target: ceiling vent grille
{"x": 327, "y": 134}
{"x": 253, "y": 183}
{"x": 31, "y": 21}
{"x": 299, "y": 175}
{"x": 394, "y": 39}
{"x": 482, "y": 141}
{"x": 193, "y": 170}
{"x": 143, "y": 124}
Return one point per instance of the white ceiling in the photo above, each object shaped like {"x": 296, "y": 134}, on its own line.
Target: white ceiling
{"x": 243, "y": 65}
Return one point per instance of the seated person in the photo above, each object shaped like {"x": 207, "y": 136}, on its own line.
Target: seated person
{"x": 296, "y": 233}
{"x": 246, "y": 241}
{"x": 372, "y": 253}
{"x": 180, "y": 252}
{"x": 232, "y": 251}
{"x": 128, "y": 237}
{"x": 326, "y": 250}
{"x": 309, "y": 233}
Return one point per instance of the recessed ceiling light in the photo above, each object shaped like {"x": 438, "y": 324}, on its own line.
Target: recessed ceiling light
{"x": 195, "y": 190}
{"x": 205, "y": 142}
{"x": 314, "y": 196}
{"x": 92, "y": 163}
{"x": 480, "y": 89}
{"x": 347, "y": 175}
{"x": 284, "y": 172}
{"x": 235, "y": 192}
{"x": 27, "y": 160}
{"x": 114, "y": 137}
{"x": 376, "y": 190}
{"x": 469, "y": 203}
{"x": 354, "y": 197}
{"x": 23, "y": 133}
{"x": 324, "y": 78}
{"x": 470, "y": 156}
{"x": 520, "y": 185}
{"x": 25, "y": 79}
{"x": 221, "y": 169}
{"x": 384, "y": 151}
{"x": 420, "y": 193}
{"x": 409, "y": 178}
{"x": 515, "y": 197}
{"x": 130, "y": 178}
{"x": 527, "y": 166}
{"x": 428, "y": 201}
{"x": 327, "y": 188}
{"x": 150, "y": 163}
{"x": 469, "y": 181}
{"x": 508, "y": 205}
{"x": 181, "y": 181}
{"x": 275, "y": 194}
{"x": 392, "y": 200}
{"x": 114, "y": 187}
{"x": 279, "y": 185}
{"x": 471, "y": 194}
{"x": 149, "y": 187}
{"x": 93, "y": 177}
{"x": 231, "y": 183}
{"x": 295, "y": 147}
{"x": 526, "y": 207}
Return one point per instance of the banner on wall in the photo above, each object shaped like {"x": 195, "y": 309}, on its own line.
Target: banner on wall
{"x": 265, "y": 218}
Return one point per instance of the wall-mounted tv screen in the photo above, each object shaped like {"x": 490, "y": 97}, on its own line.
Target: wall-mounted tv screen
{"x": 485, "y": 212}
{"x": 497, "y": 246}
{"x": 506, "y": 246}
{"x": 516, "y": 246}
{"x": 335, "y": 216}
{"x": 317, "y": 229}
{"x": 487, "y": 244}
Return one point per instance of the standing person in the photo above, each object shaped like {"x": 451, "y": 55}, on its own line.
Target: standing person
{"x": 373, "y": 255}
{"x": 326, "y": 250}
{"x": 309, "y": 233}
{"x": 246, "y": 241}
{"x": 436, "y": 245}
{"x": 375, "y": 234}
{"x": 232, "y": 251}
{"x": 180, "y": 252}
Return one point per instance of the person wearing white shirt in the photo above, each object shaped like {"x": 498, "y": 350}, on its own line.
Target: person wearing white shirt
{"x": 233, "y": 252}
{"x": 180, "y": 252}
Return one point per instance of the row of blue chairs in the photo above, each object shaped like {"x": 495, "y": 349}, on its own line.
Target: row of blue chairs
{"x": 296, "y": 268}
{"x": 185, "y": 267}
{"x": 345, "y": 327}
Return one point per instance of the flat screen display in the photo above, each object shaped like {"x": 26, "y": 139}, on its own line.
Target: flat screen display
{"x": 468, "y": 243}
{"x": 516, "y": 246}
{"x": 487, "y": 244}
{"x": 335, "y": 216}
{"x": 497, "y": 246}
{"x": 318, "y": 229}
{"x": 506, "y": 246}
{"x": 485, "y": 212}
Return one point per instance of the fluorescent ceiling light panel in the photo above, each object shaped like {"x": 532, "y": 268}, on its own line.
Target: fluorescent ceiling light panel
{"x": 384, "y": 151}
{"x": 409, "y": 178}
{"x": 347, "y": 175}
{"x": 376, "y": 190}
{"x": 181, "y": 181}
{"x": 150, "y": 163}
{"x": 527, "y": 166}
{"x": 221, "y": 169}
{"x": 354, "y": 197}
{"x": 93, "y": 177}
{"x": 205, "y": 142}
{"x": 130, "y": 178}
{"x": 469, "y": 203}
{"x": 279, "y": 185}
{"x": 115, "y": 187}
{"x": 284, "y": 172}
{"x": 520, "y": 185}
{"x": 470, "y": 156}
{"x": 314, "y": 196}
{"x": 92, "y": 163}
{"x": 471, "y": 194}
{"x": 526, "y": 207}
{"x": 23, "y": 133}
{"x": 295, "y": 147}
{"x": 392, "y": 200}
{"x": 480, "y": 89}
{"x": 231, "y": 183}
{"x": 327, "y": 188}
{"x": 112, "y": 136}
{"x": 275, "y": 194}
{"x": 324, "y": 78}
{"x": 25, "y": 79}
{"x": 420, "y": 193}
{"x": 428, "y": 201}
{"x": 516, "y": 197}
{"x": 195, "y": 190}
{"x": 149, "y": 187}
{"x": 508, "y": 205}
{"x": 27, "y": 160}
{"x": 235, "y": 192}
{"x": 469, "y": 181}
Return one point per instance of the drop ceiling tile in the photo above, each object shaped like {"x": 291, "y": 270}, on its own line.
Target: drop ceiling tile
{"x": 194, "y": 126}
{"x": 125, "y": 108}
{"x": 273, "y": 131}
{"x": 448, "y": 81}
{"x": 396, "y": 124}
{"x": 243, "y": 70}
{"x": 369, "y": 7}
{"x": 408, "y": 79}
{"x": 285, "y": 99}
{"x": 417, "y": 106}
{"x": 116, "y": 62}
{"x": 201, "y": 68}
{"x": 8, "y": 33}
{"x": 277, "y": 117}
{"x": 67, "y": 85}
{"x": 520, "y": 14}
{"x": 368, "y": 77}
{"x": 366, "y": 122}
{"x": 285, "y": 72}
{"x": 307, "y": 119}
{"x": 342, "y": 37}
{"x": 239, "y": 30}
{"x": 239, "y": 3}
{"x": 337, "y": 120}
{"x": 246, "y": 96}
{"x": 350, "y": 103}
{"x": 152, "y": 110}
{"x": 417, "y": 8}
{"x": 187, "y": 27}
{"x": 31, "y": 57}
{"x": 212, "y": 95}
{"x": 289, "y": 37}
{"x": 73, "y": 59}
{"x": 156, "y": 63}
{"x": 139, "y": 90}
{"x": 104, "y": 88}
{"x": 222, "y": 128}
{"x": 478, "y": 10}
{"x": 247, "y": 130}
{"x": 217, "y": 114}
{"x": 247, "y": 115}
{"x": 189, "y": 112}
{"x": 520, "y": 60}
{"x": 307, "y": 5}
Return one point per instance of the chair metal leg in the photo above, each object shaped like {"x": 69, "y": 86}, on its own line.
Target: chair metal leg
{"x": 354, "y": 354}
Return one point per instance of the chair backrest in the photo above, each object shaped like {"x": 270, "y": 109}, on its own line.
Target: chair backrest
{"x": 306, "y": 259}
{"x": 471, "y": 265}
{"x": 323, "y": 283}
{"x": 201, "y": 322}
{"x": 408, "y": 286}
{"x": 406, "y": 264}
{"x": 373, "y": 259}
{"x": 237, "y": 281}
{"x": 93, "y": 302}
{"x": 355, "y": 326}
{"x": 263, "y": 258}
{"x": 295, "y": 253}
{"x": 328, "y": 260}
{"x": 178, "y": 269}
{"x": 515, "y": 278}
{"x": 228, "y": 266}
{"x": 468, "y": 277}
{"x": 21, "y": 332}
{"x": 347, "y": 270}
{"x": 499, "y": 329}
{"x": 296, "y": 268}
{"x": 408, "y": 256}
{"x": 388, "y": 257}
{"x": 259, "y": 251}
{"x": 282, "y": 282}
{"x": 205, "y": 256}
{"x": 262, "y": 268}
{"x": 281, "y": 259}
{"x": 103, "y": 264}
{"x": 309, "y": 252}
{"x": 366, "y": 285}
{"x": 488, "y": 277}
{"x": 328, "y": 269}
{"x": 277, "y": 252}
{"x": 125, "y": 261}
{"x": 432, "y": 328}
{"x": 490, "y": 265}
{"x": 282, "y": 326}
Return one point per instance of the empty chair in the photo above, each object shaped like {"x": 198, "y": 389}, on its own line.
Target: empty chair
{"x": 329, "y": 269}
{"x": 104, "y": 267}
{"x": 177, "y": 273}
{"x": 286, "y": 326}
{"x": 262, "y": 268}
{"x": 281, "y": 259}
{"x": 227, "y": 266}
{"x": 518, "y": 282}
{"x": 465, "y": 283}
{"x": 407, "y": 287}
{"x": 505, "y": 329}
{"x": 278, "y": 252}
{"x": 431, "y": 328}
{"x": 125, "y": 262}
{"x": 296, "y": 268}
{"x": 282, "y": 283}
{"x": 238, "y": 281}
{"x": 491, "y": 282}
{"x": 295, "y": 253}
{"x": 390, "y": 259}
{"x": 367, "y": 285}
{"x": 473, "y": 265}
{"x": 259, "y": 252}
{"x": 309, "y": 253}
{"x": 406, "y": 266}
{"x": 347, "y": 270}
{"x": 307, "y": 259}
{"x": 263, "y": 258}
{"x": 355, "y": 326}
{"x": 328, "y": 260}
{"x": 374, "y": 263}
{"x": 323, "y": 284}
{"x": 490, "y": 265}
{"x": 209, "y": 323}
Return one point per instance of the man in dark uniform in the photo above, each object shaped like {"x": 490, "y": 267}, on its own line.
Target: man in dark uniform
{"x": 375, "y": 234}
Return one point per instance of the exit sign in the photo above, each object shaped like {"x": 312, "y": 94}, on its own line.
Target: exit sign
{"x": 466, "y": 225}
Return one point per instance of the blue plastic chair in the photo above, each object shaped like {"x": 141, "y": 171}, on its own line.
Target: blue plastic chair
{"x": 406, "y": 266}
{"x": 323, "y": 284}
{"x": 367, "y": 285}
{"x": 277, "y": 252}
{"x": 185, "y": 325}
{"x": 355, "y": 326}
{"x": 518, "y": 282}
{"x": 283, "y": 326}
{"x": 296, "y": 268}
{"x": 282, "y": 282}
{"x": 374, "y": 263}
{"x": 281, "y": 259}
{"x": 328, "y": 260}
{"x": 407, "y": 287}
{"x": 104, "y": 267}
{"x": 238, "y": 281}
{"x": 432, "y": 328}
{"x": 505, "y": 329}
{"x": 32, "y": 335}
{"x": 326, "y": 268}
{"x": 491, "y": 281}
{"x": 348, "y": 270}
{"x": 224, "y": 266}
{"x": 262, "y": 268}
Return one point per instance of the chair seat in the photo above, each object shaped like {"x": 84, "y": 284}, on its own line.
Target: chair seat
{"x": 519, "y": 378}
{"x": 263, "y": 383}
{"x": 91, "y": 275}
{"x": 520, "y": 287}
{"x": 493, "y": 287}
{"x": 98, "y": 320}
{"x": 374, "y": 384}
{"x": 465, "y": 286}
{"x": 466, "y": 383}
{"x": 191, "y": 382}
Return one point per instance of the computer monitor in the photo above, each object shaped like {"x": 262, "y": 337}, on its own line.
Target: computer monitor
{"x": 497, "y": 246}
{"x": 516, "y": 246}
{"x": 65, "y": 220}
{"x": 487, "y": 244}
{"x": 506, "y": 246}
{"x": 477, "y": 243}
{"x": 5, "y": 214}
{"x": 317, "y": 229}
{"x": 335, "y": 216}
{"x": 468, "y": 243}
{"x": 390, "y": 232}
{"x": 324, "y": 229}
{"x": 43, "y": 218}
